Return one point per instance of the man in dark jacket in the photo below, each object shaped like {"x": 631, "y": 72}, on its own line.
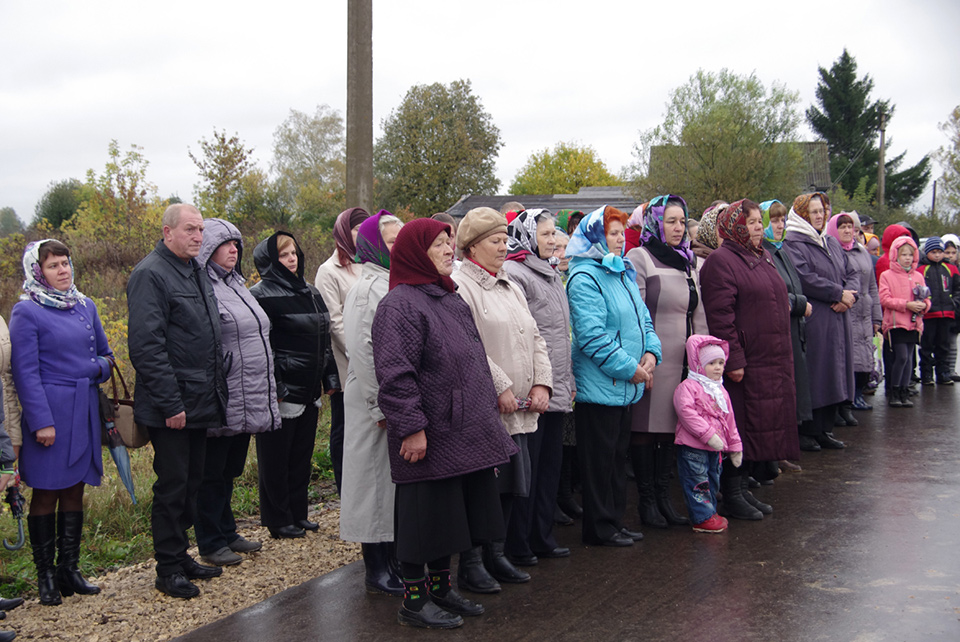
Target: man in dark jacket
{"x": 943, "y": 280}
{"x": 174, "y": 341}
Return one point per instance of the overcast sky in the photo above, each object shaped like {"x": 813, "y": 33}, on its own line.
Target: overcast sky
{"x": 163, "y": 75}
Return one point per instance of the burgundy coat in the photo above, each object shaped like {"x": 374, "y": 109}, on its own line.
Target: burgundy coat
{"x": 746, "y": 304}
{"x": 433, "y": 374}
{"x": 824, "y": 274}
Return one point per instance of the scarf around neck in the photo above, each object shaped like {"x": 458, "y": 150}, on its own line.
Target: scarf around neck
{"x": 653, "y": 229}
{"x": 713, "y": 388}
{"x": 36, "y": 288}
{"x": 589, "y": 241}
{"x": 802, "y": 226}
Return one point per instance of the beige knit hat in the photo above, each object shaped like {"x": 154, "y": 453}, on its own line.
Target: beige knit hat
{"x": 478, "y": 224}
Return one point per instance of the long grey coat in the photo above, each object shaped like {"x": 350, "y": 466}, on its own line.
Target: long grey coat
{"x": 367, "y": 492}
{"x": 866, "y": 311}
{"x": 245, "y": 339}
{"x": 665, "y": 291}
{"x": 547, "y": 299}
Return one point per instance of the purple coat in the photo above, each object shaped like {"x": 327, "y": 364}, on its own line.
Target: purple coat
{"x": 825, "y": 273}
{"x": 746, "y": 304}
{"x": 56, "y": 367}
{"x": 434, "y": 376}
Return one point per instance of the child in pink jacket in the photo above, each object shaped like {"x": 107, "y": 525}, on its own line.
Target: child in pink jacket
{"x": 706, "y": 428}
{"x": 904, "y": 297}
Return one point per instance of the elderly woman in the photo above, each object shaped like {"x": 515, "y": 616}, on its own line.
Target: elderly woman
{"x": 251, "y": 394}
{"x": 830, "y": 284}
{"x": 866, "y": 315}
{"x": 670, "y": 286}
{"x": 59, "y": 356}
{"x": 444, "y": 432}
{"x": 305, "y": 369}
{"x": 747, "y": 305}
{"x": 517, "y": 354}
{"x": 707, "y": 240}
{"x": 615, "y": 351}
{"x": 531, "y": 265}
{"x": 335, "y": 277}
{"x": 366, "y": 498}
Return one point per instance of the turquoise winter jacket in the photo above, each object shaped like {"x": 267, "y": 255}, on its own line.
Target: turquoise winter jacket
{"x": 612, "y": 329}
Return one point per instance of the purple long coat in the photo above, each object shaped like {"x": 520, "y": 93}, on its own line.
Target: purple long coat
{"x": 56, "y": 369}
{"x": 825, "y": 273}
{"x": 746, "y": 304}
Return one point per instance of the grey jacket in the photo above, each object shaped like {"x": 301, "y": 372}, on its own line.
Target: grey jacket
{"x": 866, "y": 311}
{"x": 245, "y": 339}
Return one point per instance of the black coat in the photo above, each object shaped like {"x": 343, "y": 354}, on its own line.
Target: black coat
{"x": 299, "y": 327}
{"x": 798, "y": 307}
{"x": 174, "y": 341}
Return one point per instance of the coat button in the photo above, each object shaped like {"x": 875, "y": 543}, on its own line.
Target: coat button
{"x": 73, "y": 311}
{"x": 93, "y": 360}
{"x": 89, "y": 327}
{"x": 93, "y": 338}
{"x": 91, "y": 349}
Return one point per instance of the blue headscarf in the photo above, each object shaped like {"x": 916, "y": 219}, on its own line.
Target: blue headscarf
{"x": 589, "y": 241}
{"x": 768, "y": 230}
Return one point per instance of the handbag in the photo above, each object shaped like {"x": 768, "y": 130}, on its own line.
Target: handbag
{"x": 131, "y": 433}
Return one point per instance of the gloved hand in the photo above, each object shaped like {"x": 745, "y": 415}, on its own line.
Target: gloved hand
{"x": 736, "y": 459}
{"x": 715, "y": 442}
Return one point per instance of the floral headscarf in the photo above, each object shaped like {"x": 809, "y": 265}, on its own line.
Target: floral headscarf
{"x": 370, "y": 245}
{"x": 522, "y": 235}
{"x": 653, "y": 226}
{"x": 36, "y": 288}
{"x": 589, "y": 241}
{"x": 801, "y": 205}
{"x": 732, "y": 225}
{"x": 707, "y": 232}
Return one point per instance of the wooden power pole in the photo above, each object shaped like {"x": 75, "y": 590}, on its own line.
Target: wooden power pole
{"x": 881, "y": 170}
{"x": 360, "y": 104}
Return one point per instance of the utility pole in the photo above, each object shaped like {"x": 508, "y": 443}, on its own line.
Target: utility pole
{"x": 881, "y": 170}
{"x": 360, "y": 104}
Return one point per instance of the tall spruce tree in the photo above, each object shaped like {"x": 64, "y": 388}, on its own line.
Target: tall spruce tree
{"x": 850, "y": 123}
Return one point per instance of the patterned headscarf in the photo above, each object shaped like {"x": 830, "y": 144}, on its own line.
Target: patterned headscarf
{"x": 589, "y": 241}
{"x": 343, "y": 233}
{"x": 801, "y": 205}
{"x": 36, "y": 288}
{"x": 732, "y": 225}
{"x": 522, "y": 235}
{"x": 653, "y": 225}
{"x": 370, "y": 245}
{"x": 707, "y": 232}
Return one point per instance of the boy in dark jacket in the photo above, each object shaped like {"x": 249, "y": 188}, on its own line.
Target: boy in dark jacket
{"x": 943, "y": 279}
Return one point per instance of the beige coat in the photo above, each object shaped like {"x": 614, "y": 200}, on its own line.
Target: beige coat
{"x": 334, "y": 281}
{"x": 515, "y": 350}
{"x": 11, "y": 405}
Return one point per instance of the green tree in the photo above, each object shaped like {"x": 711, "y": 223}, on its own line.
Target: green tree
{"x": 850, "y": 123}
{"x": 723, "y": 136}
{"x": 59, "y": 203}
{"x": 309, "y": 158}
{"x": 9, "y": 222}
{"x": 438, "y": 145}
{"x": 563, "y": 170}
{"x": 948, "y": 156}
{"x": 223, "y": 161}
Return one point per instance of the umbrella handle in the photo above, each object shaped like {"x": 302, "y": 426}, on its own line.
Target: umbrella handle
{"x": 21, "y": 539}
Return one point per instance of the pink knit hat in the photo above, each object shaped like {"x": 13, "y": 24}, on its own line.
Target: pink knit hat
{"x": 710, "y": 352}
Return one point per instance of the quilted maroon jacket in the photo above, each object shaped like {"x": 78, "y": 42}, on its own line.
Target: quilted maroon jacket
{"x": 434, "y": 376}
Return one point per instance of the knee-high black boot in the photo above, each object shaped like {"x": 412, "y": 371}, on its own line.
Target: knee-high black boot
{"x": 69, "y": 528}
{"x": 664, "y": 472}
{"x": 766, "y": 509}
{"x": 644, "y": 465}
{"x": 43, "y": 539}
{"x": 380, "y": 576}
{"x": 733, "y": 504}
{"x": 565, "y": 498}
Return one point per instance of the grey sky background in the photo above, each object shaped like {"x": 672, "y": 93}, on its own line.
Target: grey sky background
{"x": 162, "y": 75}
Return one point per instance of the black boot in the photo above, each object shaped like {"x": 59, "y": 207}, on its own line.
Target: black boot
{"x": 644, "y": 464}
{"x": 380, "y": 576}
{"x": 472, "y": 575}
{"x": 893, "y": 397}
{"x": 845, "y": 413}
{"x": 733, "y": 504}
{"x": 69, "y": 528}
{"x": 766, "y": 509}
{"x": 500, "y": 567}
{"x": 565, "y": 500}
{"x": 905, "y": 395}
{"x": 419, "y": 610}
{"x": 665, "y": 461}
{"x": 7, "y": 636}
{"x": 43, "y": 539}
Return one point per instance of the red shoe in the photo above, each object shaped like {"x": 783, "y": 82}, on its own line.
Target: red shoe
{"x": 715, "y": 524}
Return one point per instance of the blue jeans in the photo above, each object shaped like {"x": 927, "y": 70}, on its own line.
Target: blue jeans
{"x": 699, "y": 472}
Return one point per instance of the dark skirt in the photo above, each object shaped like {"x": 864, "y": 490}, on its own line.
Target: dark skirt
{"x": 513, "y": 478}
{"x": 434, "y": 519}
{"x": 900, "y": 336}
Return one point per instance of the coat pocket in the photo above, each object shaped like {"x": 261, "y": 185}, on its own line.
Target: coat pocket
{"x": 456, "y": 409}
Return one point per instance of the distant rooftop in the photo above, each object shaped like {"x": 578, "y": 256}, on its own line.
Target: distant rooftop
{"x": 586, "y": 200}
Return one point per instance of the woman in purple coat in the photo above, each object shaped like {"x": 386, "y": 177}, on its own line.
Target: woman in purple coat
{"x": 746, "y": 304}
{"x": 59, "y": 356}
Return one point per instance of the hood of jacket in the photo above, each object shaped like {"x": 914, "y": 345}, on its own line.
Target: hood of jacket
{"x": 216, "y": 232}
{"x": 266, "y": 258}
{"x": 890, "y": 234}
{"x": 895, "y": 253}
{"x": 696, "y": 342}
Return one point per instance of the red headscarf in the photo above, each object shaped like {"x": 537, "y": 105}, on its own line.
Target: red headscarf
{"x": 732, "y": 226}
{"x": 343, "y": 233}
{"x": 409, "y": 262}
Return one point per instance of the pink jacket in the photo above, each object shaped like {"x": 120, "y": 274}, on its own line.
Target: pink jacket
{"x": 896, "y": 290}
{"x": 700, "y": 417}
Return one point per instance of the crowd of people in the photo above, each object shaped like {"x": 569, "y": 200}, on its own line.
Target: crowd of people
{"x": 476, "y": 371}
